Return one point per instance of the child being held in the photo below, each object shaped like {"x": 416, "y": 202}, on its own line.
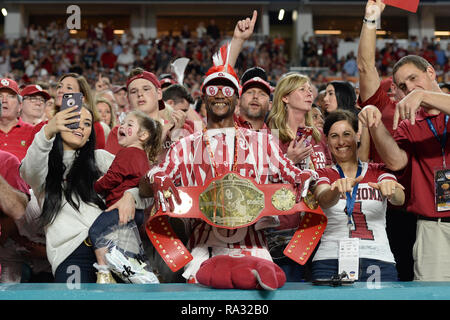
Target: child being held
{"x": 141, "y": 138}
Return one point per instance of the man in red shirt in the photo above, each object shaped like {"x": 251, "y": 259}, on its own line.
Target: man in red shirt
{"x": 14, "y": 132}
{"x": 144, "y": 94}
{"x": 14, "y": 197}
{"x": 400, "y": 224}
{"x": 34, "y": 98}
{"x": 420, "y": 142}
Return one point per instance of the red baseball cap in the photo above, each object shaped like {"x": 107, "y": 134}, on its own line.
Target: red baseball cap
{"x": 116, "y": 88}
{"x": 256, "y": 77}
{"x": 153, "y": 79}
{"x": 34, "y": 89}
{"x": 9, "y": 84}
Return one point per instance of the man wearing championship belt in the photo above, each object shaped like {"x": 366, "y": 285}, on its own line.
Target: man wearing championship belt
{"x": 223, "y": 257}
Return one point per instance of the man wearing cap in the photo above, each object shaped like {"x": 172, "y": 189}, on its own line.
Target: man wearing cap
{"x": 14, "y": 132}
{"x": 254, "y": 102}
{"x": 33, "y": 103}
{"x": 219, "y": 148}
{"x": 145, "y": 94}
{"x": 166, "y": 80}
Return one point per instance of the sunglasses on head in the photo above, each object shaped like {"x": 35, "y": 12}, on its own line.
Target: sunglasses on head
{"x": 214, "y": 90}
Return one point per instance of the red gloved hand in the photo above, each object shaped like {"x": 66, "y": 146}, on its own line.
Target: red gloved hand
{"x": 247, "y": 272}
{"x": 163, "y": 189}
{"x": 303, "y": 181}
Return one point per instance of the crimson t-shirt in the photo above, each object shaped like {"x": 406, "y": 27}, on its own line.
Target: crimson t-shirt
{"x": 123, "y": 174}
{"x": 424, "y": 156}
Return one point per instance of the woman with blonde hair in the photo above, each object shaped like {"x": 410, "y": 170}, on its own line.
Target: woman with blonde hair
{"x": 107, "y": 114}
{"x": 299, "y": 138}
{"x": 304, "y": 144}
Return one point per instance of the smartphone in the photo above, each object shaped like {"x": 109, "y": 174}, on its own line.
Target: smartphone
{"x": 69, "y": 100}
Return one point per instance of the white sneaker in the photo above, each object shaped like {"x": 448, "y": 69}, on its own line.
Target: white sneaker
{"x": 128, "y": 269}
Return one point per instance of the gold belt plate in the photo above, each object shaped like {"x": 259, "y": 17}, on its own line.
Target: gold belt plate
{"x": 232, "y": 201}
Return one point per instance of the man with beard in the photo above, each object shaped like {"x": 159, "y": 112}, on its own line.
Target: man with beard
{"x": 255, "y": 99}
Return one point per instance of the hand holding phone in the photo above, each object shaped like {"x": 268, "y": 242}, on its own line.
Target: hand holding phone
{"x": 70, "y": 100}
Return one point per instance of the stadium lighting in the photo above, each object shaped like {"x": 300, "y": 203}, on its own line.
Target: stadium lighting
{"x": 442, "y": 33}
{"x": 281, "y": 14}
{"x": 118, "y": 31}
{"x": 335, "y": 32}
{"x": 294, "y": 15}
{"x": 4, "y": 12}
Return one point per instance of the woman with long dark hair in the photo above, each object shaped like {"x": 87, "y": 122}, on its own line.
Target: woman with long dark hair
{"x": 61, "y": 167}
{"x": 75, "y": 83}
{"x": 339, "y": 95}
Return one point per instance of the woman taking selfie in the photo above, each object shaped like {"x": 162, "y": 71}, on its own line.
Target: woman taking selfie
{"x": 74, "y": 83}
{"x": 61, "y": 167}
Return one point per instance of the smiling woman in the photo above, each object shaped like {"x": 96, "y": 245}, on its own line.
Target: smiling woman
{"x": 61, "y": 167}
{"x": 354, "y": 194}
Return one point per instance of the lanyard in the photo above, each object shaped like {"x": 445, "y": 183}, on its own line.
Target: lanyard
{"x": 350, "y": 199}
{"x": 442, "y": 141}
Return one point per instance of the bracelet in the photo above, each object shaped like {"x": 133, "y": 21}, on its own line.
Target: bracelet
{"x": 369, "y": 21}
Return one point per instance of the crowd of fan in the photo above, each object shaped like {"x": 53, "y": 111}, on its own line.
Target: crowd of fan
{"x": 48, "y": 52}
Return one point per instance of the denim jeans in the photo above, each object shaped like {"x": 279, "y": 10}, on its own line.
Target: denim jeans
{"x": 325, "y": 269}
{"x": 78, "y": 266}
{"x": 108, "y": 220}
{"x": 294, "y": 272}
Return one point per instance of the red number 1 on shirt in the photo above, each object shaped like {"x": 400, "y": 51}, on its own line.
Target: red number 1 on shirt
{"x": 359, "y": 219}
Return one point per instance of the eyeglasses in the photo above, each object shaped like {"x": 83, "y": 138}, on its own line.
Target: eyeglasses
{"x": 214, "y": 90}
{"x": 35, "y": 99}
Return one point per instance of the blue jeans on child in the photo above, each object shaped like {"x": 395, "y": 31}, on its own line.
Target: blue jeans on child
{"x": 78, "y": 266}
{"x": 106, "y": 222}
{"x": 326, "y": 269}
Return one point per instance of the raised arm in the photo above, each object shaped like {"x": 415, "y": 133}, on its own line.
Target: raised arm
{"x": 242, "y": 32}
{"x": 369, "y": 80}
{"x": 392, "y": 155}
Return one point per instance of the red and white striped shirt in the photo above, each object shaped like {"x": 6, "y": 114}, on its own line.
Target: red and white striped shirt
{"x": 259, "y": 157}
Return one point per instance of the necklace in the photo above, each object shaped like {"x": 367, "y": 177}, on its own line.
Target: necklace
{"x": 213, "y": 163}
{"x": 211, "y": 154}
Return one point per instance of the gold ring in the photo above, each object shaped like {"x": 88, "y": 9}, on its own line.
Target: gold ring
{"x": 167, "y": 194}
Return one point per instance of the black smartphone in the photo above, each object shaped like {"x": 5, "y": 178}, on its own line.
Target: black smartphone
{"x": 70, "y": 100}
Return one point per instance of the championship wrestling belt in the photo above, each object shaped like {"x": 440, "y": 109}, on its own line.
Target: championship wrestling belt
{"x": 231, "y": 201}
